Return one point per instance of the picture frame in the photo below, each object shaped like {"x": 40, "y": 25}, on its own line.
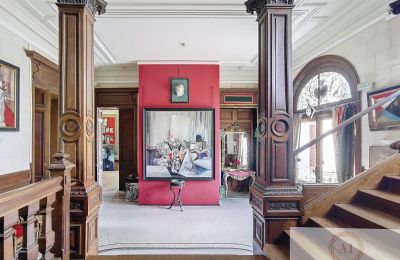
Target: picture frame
{"x": 170, "y": 143}
{"x": 387, "y": 116}
{"x": 9, "y": 96}
{"x": 179, "y": 90}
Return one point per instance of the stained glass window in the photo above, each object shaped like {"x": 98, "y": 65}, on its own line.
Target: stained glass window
{"x": 324, "y": 88}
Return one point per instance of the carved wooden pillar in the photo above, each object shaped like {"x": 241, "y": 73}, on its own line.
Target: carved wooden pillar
{"x": 76, "y": 34}
{"x": 30, "y": 248}
{"x": 7, "y": 236}
{"x": 276, "y": 201}
{"x": 61, "y": 220}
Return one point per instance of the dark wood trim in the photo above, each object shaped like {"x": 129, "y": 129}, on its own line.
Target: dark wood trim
{"x": 116, "y": 97}
{"x": 33, "y": 55}
{"x": 14, "y": 180}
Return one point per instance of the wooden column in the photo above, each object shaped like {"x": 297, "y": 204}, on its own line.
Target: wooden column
{"x": 76, "y": 34}
{"x": 276, "y": 201}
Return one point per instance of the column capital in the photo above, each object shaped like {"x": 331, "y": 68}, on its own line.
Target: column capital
{"x": 95, "y": 6}
{"x": 258, "y": 5}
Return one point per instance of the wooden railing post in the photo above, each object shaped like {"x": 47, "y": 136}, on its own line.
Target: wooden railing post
{"x": 30, "y": 248}
{"x": 46, "y": 235}
{"x": 7, "y": 236}
{"x": 61, "y": 215}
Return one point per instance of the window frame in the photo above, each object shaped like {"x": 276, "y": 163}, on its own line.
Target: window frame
{"x": 331, "y": 63}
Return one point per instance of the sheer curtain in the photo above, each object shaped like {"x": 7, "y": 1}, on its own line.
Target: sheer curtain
{"x": 296, "y": 142}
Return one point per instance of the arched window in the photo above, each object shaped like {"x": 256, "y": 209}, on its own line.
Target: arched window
{"x": 324, "y": 83}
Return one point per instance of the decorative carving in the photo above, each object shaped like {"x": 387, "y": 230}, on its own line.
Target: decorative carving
{"x": 70, "y": 127}
{"x": 282, "y": 205}
{"x": 280, "y": 127}
{"x": 77, "y": 205}
{"x": 61, "y": 162}
{"x": 236, "y": 127}
{"x": 258, "y": 5}
{"x": 256, "y": 201}
{"x": 95, "y": 6}
{"x": 283, "y": 191}
{"x": 261, "y": 130}
{"x": 90, "y": 127}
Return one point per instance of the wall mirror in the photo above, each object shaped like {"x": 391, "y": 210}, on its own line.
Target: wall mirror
{"x": 235, "y": 144}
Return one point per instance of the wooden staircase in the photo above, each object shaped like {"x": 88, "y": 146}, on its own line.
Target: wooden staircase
{"x": 374, "y": 203}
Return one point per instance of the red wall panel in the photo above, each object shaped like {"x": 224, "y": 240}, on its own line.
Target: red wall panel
{"x": 154, "y": 92}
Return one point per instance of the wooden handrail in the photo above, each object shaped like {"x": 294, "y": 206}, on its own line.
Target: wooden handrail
{"x": 16, "y": 199}
{"x": 346, "y": 122}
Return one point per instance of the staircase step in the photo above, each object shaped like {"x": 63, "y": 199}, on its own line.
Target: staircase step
{"x": 392, "y": 183}
{"x": 277, "y": 252}
{"x": 330, "y": 223}
{"x": 304, "y": 247}
{"x": 381, "y": 199}
{"x": 362, "y": 216}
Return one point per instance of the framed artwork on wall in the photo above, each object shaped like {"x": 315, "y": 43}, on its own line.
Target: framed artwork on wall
{"x": 179, "y": 90}
{"x": 178, "y": 144}
{"x": 9, "y": 97}
{"x": 387, "y": 116}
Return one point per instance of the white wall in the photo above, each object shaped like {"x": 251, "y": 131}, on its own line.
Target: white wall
{"x": 375, "y": 53}
{"x": 16, "y": 147}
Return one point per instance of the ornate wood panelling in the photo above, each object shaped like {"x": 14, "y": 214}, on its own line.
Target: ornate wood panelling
{"x": 274, "y": 196}
{"x": 76, "y": 19}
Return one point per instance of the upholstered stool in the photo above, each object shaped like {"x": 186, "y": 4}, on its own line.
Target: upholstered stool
{"x": 180, "y": 184}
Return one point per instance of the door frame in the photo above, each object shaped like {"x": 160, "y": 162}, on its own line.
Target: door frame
{"x": 121, "y": 98}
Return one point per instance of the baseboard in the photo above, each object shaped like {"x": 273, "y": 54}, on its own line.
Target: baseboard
{"x": 14, "y": 180}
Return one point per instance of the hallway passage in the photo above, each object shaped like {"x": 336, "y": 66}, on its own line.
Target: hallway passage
{"x": 127, "y": 228}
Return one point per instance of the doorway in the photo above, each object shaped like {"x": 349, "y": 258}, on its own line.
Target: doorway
{"x": 116, "y": 151}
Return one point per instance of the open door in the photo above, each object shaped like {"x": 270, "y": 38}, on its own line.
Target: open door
{"x": 128, "y": 151}
{"x": 99, "y": 146}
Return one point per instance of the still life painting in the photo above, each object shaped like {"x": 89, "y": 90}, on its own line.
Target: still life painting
{"x": 386, "y": 116}
{"x": 9, "y": 87}
{"x": 179, "y": 143}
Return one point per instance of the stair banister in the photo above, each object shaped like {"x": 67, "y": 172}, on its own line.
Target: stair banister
{"x": 346, "y": 122}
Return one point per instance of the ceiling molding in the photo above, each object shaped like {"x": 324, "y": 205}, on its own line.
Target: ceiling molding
{"x": 197, "y": 62}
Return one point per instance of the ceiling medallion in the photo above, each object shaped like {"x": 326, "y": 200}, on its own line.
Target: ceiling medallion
{"x": 258, "y": 5}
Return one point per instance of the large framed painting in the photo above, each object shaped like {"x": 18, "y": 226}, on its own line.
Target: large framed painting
{"x": 178, "y": 143}
{"x": 9, "y": 97}
{"x": 387, "y": 116}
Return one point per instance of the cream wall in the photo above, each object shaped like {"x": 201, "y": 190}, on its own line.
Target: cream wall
{"x": 16, "y": 147}
{"x": 375, "y": 53}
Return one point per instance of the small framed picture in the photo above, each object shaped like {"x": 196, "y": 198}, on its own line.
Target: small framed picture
{"x": 179, "y": 90}
{"x": 387, "y": 116}
{"x": 9, "y": 97}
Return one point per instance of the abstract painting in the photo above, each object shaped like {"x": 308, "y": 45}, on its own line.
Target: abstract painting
{"x": 386, "y": 116}
{"x": 178, "y": 143}
{"x": 9, "y": 97}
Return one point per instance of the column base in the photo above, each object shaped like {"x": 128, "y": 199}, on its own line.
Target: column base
{"x": 85, "y": 202}
{"x": 274, "y": 211}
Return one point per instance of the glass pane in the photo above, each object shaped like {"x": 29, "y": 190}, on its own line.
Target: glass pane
{"x": 306, "y": 160}
{"x": 307, "y": 94}
{"x": 333, "y": 88}
{"x": 325, "y": 88}
{"x": 329, "y": 157}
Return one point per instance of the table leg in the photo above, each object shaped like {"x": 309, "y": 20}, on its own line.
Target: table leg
{"x": 173, "y": 192}
{"x": 226, "y": 184}
{"x": 179, "y": 198}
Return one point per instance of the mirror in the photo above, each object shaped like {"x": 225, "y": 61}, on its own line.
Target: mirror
{"x": 236, "y": 150}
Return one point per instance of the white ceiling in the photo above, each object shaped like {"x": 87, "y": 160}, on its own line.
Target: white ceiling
{"x": 214, "y": 30}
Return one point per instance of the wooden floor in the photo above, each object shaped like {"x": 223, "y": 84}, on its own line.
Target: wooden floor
{"x": 177, "y": 257}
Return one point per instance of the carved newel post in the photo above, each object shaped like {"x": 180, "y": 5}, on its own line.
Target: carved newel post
{"x": 277, "y": 202}
{"x": 76, "y": 36}
{"x": 61, "y": 220}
